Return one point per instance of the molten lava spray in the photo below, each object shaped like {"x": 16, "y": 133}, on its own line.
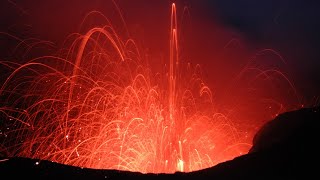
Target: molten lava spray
{"x": 98, "y": 104}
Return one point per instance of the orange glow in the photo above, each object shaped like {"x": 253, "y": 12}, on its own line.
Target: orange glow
{"x": 98, "y": 104}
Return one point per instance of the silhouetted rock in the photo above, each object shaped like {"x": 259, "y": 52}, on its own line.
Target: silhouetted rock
{"x": 284, "y": 148}
{"x": 296, "y": 127}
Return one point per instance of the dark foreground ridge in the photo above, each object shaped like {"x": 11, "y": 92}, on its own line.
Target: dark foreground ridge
{"x": 284, "y": 148}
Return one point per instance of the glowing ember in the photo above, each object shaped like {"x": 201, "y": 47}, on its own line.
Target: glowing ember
{"x": 100, "y": 105}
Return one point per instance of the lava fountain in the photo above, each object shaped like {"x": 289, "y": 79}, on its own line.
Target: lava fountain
{"x": 98, "y": 104}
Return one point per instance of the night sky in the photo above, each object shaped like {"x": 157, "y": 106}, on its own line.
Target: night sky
{"x": 290, "y": 27}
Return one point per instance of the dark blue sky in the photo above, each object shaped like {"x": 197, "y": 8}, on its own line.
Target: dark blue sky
{"x": 291, "y": 27}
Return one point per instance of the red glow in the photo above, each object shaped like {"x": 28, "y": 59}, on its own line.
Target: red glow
{"x": 99, "y": 104}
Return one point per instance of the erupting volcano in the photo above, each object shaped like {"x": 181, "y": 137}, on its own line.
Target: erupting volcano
{"x": 100, "y": 104}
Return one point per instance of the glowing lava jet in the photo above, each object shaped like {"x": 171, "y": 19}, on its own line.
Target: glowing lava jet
{"x": 99, "y": 105}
